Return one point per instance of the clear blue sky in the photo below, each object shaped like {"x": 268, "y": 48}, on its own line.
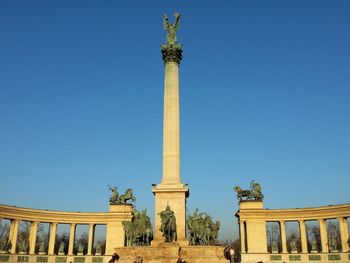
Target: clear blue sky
{"x": 265, "y": 91}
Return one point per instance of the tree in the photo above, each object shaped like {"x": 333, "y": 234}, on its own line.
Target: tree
{"x": 235, "y": 245}
{"x": 4, "y": 235}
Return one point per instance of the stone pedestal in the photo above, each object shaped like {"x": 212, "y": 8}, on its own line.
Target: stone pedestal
{"x": 170, "y": 253}
{"x": 115, "y": 234}
{"x": 175, "y": 197}
{"x": 255, "y": 232}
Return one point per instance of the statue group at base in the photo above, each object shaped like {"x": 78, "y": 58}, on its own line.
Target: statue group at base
{"x": 139, "y": 231}
{"x": 201, "y": 228}
{"x": 168, "y": 225}
{"x": 255, "y": 192}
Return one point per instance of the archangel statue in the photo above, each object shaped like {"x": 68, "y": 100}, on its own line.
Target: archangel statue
{"x": 168, "y": 226}
{"x": 171, "y": 28}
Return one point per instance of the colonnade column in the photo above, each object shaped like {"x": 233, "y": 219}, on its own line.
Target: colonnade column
{"x": 303, "y": 236}
{"x": 71, "y": 239}
{"x": 242, "y": 236}
{"x": 344, "y": 233}
{"x": 13, "y": 234}
{"x": 283, "y": 236}
{"x": 323, "y": 233}
{"x": 32, "y": 237}
{"x": 91, "y": 238}
{"x": 52, "y": 239}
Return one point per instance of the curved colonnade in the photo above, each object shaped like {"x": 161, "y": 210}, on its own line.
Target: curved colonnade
{"x": 113, "y": 220}
{"x": 252, "y": 218}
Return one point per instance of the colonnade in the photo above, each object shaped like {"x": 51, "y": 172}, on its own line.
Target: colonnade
{"x": 252, "y": 218}
{"x": 13, "y": 236}
{"x": 343, "y": 227}
{"x": 115, "y": 235}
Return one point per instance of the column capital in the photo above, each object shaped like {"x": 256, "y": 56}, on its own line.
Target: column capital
{"x": 171, "y": 53}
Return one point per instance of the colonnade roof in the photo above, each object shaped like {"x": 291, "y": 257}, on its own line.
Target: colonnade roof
{"x": 64, "y": 217}
{"x": 250, "y": 210}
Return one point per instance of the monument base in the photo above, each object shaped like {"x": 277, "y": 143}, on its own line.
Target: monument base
{"x": 178, "y": 243}
{"x": 171, "y": 252}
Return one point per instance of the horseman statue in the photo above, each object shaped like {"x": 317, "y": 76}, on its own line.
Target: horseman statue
{"x": 168, "y": 226}
{"x": 254, "y": 193}
{"x": 120, "y": 199}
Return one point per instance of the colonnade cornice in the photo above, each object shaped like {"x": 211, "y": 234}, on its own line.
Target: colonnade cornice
{"x": 49, "y": 216}
{"x": 296, "y": 214}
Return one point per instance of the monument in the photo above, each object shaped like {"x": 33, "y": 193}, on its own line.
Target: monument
{"x": 171, "y": 191}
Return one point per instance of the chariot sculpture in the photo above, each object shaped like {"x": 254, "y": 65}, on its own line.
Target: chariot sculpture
{"x": 120, "y": 199}
{"x": 255, "y": 192}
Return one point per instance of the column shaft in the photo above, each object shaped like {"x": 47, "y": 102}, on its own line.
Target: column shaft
{"x": 14, "y": 235}
{"x": 32, "y": 237}
{"x": 303, "y": 236}
{"x": 344, "y": 233}
{"x": 71, "y": 239}
{"x": 52, "y": 238}
{"x": 91, "y": 238}
{"x": 242, "y": 236}
{"x": 323, "y": 233}
{"x": 283, "y": 236}
{"x": 171, "y": 125}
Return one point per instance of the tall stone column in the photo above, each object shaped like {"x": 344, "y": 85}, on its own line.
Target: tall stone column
{"x": 344, "y": 233}
{"x": 323, "y": 233}
{"x": 52, "y": 238}
{"x": 13, "y": 235}
{"x": 91, "y": 238}
{"x": 71, "y": 239}
{"x": 32, "y": 237}
{"x": 171, "y": 191}
{"x": 303, "y": 236}
{"x": 283, "y": 236}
